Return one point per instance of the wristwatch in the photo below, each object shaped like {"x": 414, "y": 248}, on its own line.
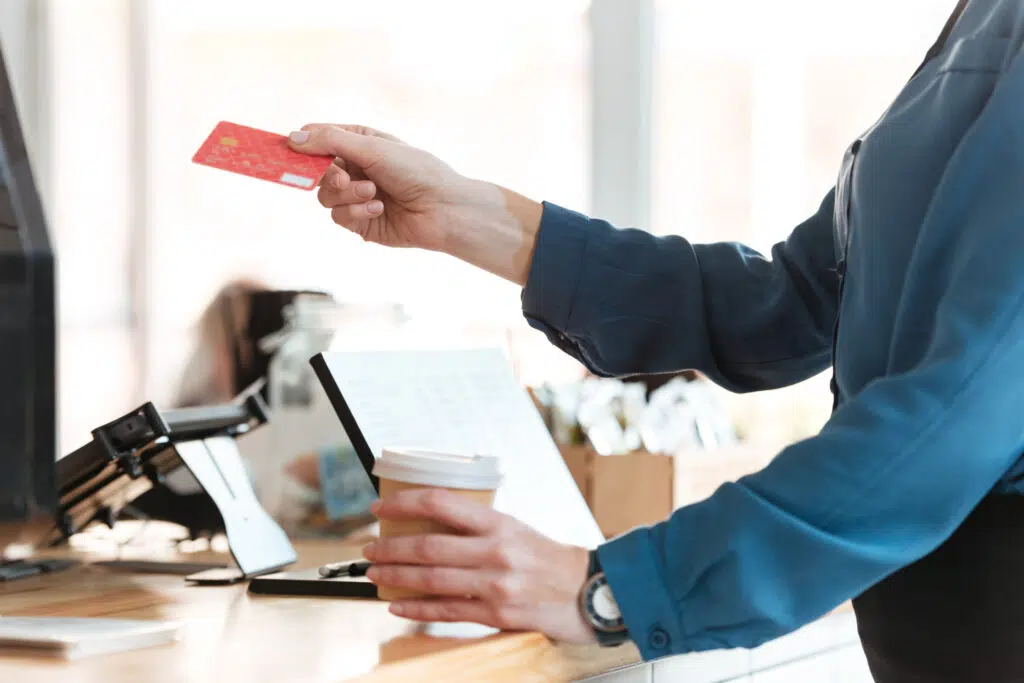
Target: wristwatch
{"x": 598, "y": 606}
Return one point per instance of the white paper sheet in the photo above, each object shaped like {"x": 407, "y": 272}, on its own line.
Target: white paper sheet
{"x": 466, "y": 402}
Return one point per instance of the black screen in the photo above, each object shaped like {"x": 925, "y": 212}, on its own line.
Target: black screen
{"x": 28, "y": 444}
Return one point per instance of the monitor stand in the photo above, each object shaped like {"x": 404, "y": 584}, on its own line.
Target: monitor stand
{"x": 128, "y": 456}
{"x": 257, "y": 543}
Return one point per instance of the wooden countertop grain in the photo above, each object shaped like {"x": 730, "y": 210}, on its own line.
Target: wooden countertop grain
{"x": 228, "y": 635}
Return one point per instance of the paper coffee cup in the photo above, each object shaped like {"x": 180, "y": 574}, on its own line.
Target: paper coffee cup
{"x": 398, "y": 469}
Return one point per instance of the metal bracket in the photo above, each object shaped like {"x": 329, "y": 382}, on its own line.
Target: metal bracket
{"x": 257, "y": 542}
{"x": 127, "y": 456}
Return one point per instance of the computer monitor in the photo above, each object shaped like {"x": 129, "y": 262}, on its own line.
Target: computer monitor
{"x": 28, "y": 345}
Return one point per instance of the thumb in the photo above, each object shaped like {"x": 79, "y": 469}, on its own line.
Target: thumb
{"x": 324, "y": 140}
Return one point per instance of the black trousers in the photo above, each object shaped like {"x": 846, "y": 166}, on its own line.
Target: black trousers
{"x": 957, "y": 615}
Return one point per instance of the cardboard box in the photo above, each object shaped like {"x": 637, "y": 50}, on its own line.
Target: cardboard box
{"x": 623, "y": 491}
{"x": 640, "y": 488}
{"x": 697, "y": 475}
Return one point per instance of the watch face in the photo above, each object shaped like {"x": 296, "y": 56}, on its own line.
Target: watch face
{"x": 604, "y": 604}
{"x": 601, "y": 608}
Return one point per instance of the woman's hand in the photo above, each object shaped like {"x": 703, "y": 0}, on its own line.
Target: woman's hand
{"x": 384, "y": 190}
{"x": 497, "y": 571}
{"x": 394, "y": 194}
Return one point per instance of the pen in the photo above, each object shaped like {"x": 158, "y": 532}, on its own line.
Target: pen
{"x": 350, "y": 568}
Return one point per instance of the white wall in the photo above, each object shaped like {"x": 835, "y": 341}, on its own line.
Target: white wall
{"x": 622, "y": 91}
{"x": 21, "y": 34}
{"x": 71, "y": 64}
{"x": 91, "y": 211}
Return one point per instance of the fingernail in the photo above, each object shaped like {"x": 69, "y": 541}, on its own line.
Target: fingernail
{"x": 373, "y": 573}
{"x": 375, "y": 206}
{"x": 368, "y": 550}
{"x": 365, "y": 190}
{"x": 397, "y": 609}
{"x": 298, "y": 136}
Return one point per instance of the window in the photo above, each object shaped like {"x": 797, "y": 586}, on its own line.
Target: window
{"x": 505, "y": 101}
{"x": 80, "y": 64}
{"x": 754, "y": 105}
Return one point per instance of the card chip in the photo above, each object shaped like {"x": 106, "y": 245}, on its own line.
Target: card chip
{"x": 297, "y": 180}
{"x": 260, "y": 154}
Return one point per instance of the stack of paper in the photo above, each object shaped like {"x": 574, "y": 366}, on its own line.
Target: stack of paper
{"x": 74, "y": 638}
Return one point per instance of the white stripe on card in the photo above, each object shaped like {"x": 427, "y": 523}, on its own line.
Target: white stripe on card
{"x": 299, "y": 180}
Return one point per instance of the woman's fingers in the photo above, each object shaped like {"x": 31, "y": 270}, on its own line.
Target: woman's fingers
{"x": 353, "y": 128}
{"x": 485, "y": 584}
{"x": 354, "y": 213}
{"x": 450, "y": 509}
{"x": 358, "y": 192}
{"x": 436, "y": 550}
{"x": 325, "y": 140}
{"x": 336, "y": 176}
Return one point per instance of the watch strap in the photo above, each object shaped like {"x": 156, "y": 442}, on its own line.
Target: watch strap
{"x": 604, "y": 638}
{"x": 594, "y": 567}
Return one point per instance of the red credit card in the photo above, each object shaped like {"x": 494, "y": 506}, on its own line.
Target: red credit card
{"x": 259, "y": 154}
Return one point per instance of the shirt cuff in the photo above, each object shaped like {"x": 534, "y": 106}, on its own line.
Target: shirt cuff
{"x": 632, "y": 568}
{"x": 555, "y": 271}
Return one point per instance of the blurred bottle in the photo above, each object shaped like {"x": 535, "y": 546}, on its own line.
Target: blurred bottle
{"x": 302, "y": 420}
{"x": 305, "y": 464}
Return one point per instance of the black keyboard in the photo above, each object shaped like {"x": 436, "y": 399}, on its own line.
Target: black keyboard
{"x": 13, "y": 570}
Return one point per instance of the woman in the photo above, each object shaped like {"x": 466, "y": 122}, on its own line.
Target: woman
{"x": 225, "y": 359}
{"x": 908, "y": 500}
{"x": 213, "y": 374}
{"x": 225, "y": 362}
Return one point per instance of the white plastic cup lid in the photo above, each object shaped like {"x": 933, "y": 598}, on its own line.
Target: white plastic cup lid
{"x": 445, "y": 470}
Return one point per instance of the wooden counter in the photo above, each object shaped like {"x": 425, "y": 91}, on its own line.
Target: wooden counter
{"x": 231, "y": 636}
